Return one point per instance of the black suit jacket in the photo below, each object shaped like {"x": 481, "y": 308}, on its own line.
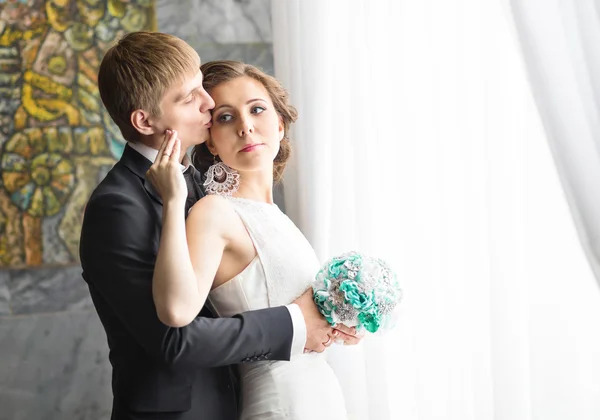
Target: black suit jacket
{"x": 161, "y": 372}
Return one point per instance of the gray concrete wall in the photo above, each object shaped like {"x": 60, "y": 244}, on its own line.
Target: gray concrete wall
{"x": 54, "y": 362}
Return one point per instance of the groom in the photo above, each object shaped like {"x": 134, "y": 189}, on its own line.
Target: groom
{"x": 150, "y": 82}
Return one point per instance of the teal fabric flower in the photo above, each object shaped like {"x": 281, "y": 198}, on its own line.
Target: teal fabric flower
{"x": 324, "y": 304}
{"x": 354, "y": 296}
{"x": 370, "y": 320}
{"x": 336, "y": 268}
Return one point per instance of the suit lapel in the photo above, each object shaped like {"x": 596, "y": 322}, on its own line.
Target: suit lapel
{"x": 150, "y": 188}
{"x": 139, "y": 165}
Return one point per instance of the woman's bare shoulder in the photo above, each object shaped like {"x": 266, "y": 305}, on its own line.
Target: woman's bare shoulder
{"x": 212, "y": 209}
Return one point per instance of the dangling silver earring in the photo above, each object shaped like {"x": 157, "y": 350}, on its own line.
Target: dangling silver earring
{"x": 221, "y": 179}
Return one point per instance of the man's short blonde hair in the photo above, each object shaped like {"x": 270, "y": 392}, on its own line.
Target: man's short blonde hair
{"x": 136, "y": 72}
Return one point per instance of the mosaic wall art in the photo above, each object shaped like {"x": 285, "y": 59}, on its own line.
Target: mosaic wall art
{"x": 56, "y": 139}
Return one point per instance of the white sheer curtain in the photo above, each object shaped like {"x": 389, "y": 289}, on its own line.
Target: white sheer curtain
{"x": 419, "y": 142}
{"x": 560, "y": 40}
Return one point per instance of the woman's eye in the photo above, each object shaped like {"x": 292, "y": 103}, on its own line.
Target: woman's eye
{"x": 190, "y": 99}
{"x": 258, "y": 109}
{"x": 224, "y": 118}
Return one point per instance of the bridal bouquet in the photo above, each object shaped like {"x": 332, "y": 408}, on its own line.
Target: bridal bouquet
{"x": 357, "y": 291}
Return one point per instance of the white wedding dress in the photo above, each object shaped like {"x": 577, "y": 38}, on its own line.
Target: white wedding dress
{"x": 306, "y": 387}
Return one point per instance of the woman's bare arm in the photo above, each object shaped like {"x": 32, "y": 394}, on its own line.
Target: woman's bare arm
{"x": 188, "y": 259}
{"x": 179, "y": 286}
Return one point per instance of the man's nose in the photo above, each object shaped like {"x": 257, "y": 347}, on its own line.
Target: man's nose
{"x": 207, "y": 102}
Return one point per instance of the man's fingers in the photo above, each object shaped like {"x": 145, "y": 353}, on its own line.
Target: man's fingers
{"x": 346, "y": 339}
{"x": 345, "y": 329}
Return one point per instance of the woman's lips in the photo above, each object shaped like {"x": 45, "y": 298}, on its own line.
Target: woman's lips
{"x": 251, "y": 147}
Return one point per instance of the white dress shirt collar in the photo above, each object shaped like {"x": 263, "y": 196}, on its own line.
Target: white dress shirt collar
{"x": 151, "y": 154}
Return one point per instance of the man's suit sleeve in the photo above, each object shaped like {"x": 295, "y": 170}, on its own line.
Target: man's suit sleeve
{"x": 118, "y": 254}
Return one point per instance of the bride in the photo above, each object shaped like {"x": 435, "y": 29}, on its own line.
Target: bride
{"x": 237, "y": 249}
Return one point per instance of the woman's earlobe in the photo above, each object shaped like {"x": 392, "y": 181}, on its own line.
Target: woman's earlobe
{"x": 282, "y": 133}
{"x": 211, "y": 147}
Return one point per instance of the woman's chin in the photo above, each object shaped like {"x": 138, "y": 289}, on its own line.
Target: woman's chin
{"x": 254, "y": 167}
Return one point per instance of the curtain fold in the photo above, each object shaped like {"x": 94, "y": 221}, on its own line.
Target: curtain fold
{"x": 556, "y": 39}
